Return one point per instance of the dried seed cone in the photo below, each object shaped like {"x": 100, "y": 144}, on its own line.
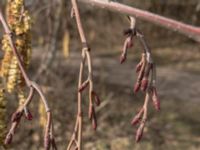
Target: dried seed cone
{"x": 138, "y": 117}
{"x": 2, "y": 117}
{"x": 19, "y": 22}
{"x": 156, "y": 101}
{"x": 137, "y": 87}
{"x": 144, "y": 84}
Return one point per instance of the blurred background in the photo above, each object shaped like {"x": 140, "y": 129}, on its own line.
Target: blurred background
{"x": 55, "y": 65}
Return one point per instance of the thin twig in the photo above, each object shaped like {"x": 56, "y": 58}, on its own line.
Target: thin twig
{"x": 76, "y": 138}
{"x": 53, "y": 45}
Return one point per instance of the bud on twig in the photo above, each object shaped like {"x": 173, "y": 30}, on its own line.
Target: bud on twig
{"x": 16, "y": 116}
{"x": 138, "y": 117}
{"x": 137, "y": 87}
{"x": 83, "y": 86}
{"x": 96, "y": 98}
{"x": 94, "y": 121}
{"x": 155, "y": 99}
{"x": 122, "y": 58}
{"x": 129, "y": 42}
{"x": 139, "y": 133}
{"x": 139, "y": 78}
{"x": 8, "y": 139}
{"x": 144, "y": 84}
{"x": 138, "y": 67}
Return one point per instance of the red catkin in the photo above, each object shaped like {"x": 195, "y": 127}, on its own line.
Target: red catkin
{"x": 83, "y": 86}
{"x": 94, "y": 121}
{"x": 155, "y": 99}
{"x": 137, "y": 87}
{"x": 129, "y": 41}
{"x": 138, "y": 67}
{"x": 122, "y": 58}
{"x": 139, "y": 133}
{"x": 137, "y": 117}
{"x": 16, "y": 116}
{"x": 96, "y": 98}
{"x": 144, "y": 84}
{"x": 8, "y": 139}
{"x": 28, "y": 115}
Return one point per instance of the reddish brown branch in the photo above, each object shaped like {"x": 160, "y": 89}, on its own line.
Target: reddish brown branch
{"x": 76, "y": 139}
{"x": 188, "y": 30}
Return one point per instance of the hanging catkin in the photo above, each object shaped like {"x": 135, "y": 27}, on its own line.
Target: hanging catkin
{"x": 42, "y": 114}
{"x": 2, "y": 117}
{"x": 21, "y": 97}
{"x": 19, "y": 22}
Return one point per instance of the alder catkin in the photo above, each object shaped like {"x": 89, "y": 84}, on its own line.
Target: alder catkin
{"x": 2, "y": 117}
{"x": 42, "y": 114}
{"x": 65, "y": 44}
{"x": 21, "y": 97}
{"x": 6, "y": 61}
{"x": 19, "y": 22}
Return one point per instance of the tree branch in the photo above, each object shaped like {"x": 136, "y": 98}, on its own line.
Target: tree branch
{"x": 185, "y": 29}
{"x": 76, "y": 138}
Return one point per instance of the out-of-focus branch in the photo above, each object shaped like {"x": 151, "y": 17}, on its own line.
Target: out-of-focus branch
{"x": 53, "y": 45}
{"x": 185, "y": 29}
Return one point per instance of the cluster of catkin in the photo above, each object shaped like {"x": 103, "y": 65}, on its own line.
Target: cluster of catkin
{"x": 19, "y": 22}
{"x": 146, "y": 76}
